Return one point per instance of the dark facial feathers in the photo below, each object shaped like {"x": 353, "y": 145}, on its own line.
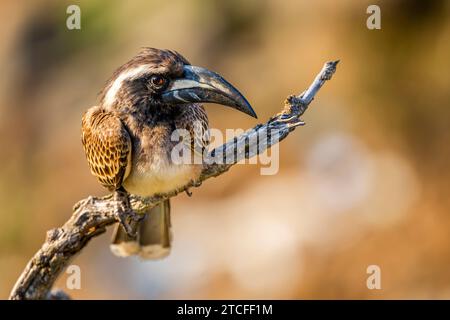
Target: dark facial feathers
{"x": 167, "y": 62}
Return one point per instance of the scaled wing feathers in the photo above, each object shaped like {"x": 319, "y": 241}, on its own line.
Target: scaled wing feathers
{"x": 107, "y": 145}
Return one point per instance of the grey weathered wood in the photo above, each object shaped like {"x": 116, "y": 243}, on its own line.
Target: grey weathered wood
{"x": 91, "y": 216}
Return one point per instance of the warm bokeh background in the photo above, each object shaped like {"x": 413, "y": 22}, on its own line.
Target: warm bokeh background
{"x": 366, "y": 181}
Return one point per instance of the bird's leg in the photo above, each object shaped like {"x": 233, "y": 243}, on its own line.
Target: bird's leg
{"x": 128, "y": 219}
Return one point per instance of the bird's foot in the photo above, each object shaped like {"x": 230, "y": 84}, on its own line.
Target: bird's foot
{"x": 126, "y": 216}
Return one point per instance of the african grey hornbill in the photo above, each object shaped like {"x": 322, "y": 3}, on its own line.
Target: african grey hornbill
{"x": 127, "y": 137}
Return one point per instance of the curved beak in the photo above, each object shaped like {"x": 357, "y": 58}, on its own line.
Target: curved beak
{"x": 201, "y": 85}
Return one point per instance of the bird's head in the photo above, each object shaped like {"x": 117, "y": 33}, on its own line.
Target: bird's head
{"x": 162, "y": 78}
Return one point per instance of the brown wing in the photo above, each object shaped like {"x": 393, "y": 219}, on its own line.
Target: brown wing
{"x": 107, "y": 146}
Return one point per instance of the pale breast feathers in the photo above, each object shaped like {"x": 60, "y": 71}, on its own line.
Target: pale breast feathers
{"x": 107, "y": 146}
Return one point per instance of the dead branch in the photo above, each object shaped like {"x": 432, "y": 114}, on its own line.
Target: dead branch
{"x": 91, "y": 216}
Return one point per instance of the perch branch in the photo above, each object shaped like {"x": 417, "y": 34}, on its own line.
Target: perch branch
{"x": 92, "y": 215}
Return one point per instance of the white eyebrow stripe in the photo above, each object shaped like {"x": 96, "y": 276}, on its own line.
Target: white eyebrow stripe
{"x": 110, "y": 96}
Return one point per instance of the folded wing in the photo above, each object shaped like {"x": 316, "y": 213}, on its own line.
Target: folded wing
{"x": 107, "y": 146}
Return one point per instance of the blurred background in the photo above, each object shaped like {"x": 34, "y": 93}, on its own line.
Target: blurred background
{"x": 365, "y": 182}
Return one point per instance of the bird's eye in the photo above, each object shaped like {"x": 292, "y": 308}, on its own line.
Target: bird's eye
{"x": 157, "y": 80}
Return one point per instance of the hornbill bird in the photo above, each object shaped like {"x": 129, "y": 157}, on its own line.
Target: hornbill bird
{"x": 127, "y": 137}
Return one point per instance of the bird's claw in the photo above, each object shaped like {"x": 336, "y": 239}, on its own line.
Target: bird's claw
{"x": 122, "y": 216}
{"x": 126, "y": 216}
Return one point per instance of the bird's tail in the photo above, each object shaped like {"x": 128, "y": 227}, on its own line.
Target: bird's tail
{"x": 153, "y": 238}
